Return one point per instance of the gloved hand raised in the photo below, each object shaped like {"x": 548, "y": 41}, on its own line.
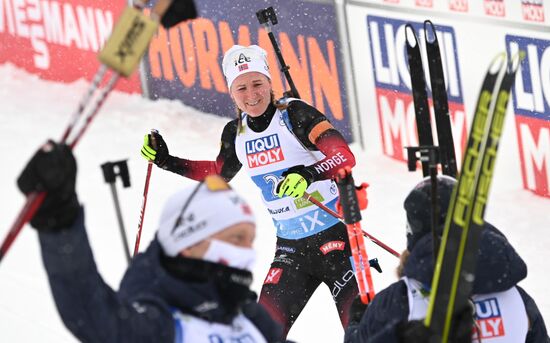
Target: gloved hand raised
{"x": 179, "y": 10}
{"x": 296, "y": 180}
{"x": 155, "y": 149}
{"x": 52, "y": 169}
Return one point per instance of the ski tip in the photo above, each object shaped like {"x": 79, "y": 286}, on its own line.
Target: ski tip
{"x": 429, "y": 32}
{"x": 515, "y": 61}
{"x": 410, "y": 36}
{"x": 497, "y": 63}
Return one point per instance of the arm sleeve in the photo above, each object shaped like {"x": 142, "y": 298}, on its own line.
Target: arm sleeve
{"x": 89, "y": 308}
{"x": 537, "y": 329}
{"x": 226, "y": 164}
{"x": 315, "y": 132}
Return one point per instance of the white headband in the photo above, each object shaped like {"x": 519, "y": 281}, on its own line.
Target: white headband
{"x": 208, "y": 213}
{"x": 239, "y": 60}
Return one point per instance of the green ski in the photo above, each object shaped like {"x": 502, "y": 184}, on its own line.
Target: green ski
{"x": 455, "y": 266}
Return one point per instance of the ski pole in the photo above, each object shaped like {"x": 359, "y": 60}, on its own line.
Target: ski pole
{"x": 267, "y": 17}
{"x": 144, "y": 202}
{"x": 110, "y": 56}
{"x": 352, "y": 219}
{"x": 34, "y": 200}
{"x": 375, "y": 240}
{"x": 104, "y": 93}
{"x": 85, "y": 100}
{"x": 110, "y": 177}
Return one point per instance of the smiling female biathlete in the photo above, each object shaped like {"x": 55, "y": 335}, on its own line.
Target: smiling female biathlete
{"x": 287, "y": 150}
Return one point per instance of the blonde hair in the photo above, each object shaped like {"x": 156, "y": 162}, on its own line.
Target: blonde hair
{"x": 402, "y": 261}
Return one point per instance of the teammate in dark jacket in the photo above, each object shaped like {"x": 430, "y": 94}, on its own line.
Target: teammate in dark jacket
{"x": 504, "y": 312}
{"x": 285, "y": 151}
{"x": 191, "y": 285}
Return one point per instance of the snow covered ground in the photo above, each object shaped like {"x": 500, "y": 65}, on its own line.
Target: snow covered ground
{"x": 33, "y": 110}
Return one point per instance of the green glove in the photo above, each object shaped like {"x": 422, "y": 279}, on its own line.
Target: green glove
{"x": 159, "y": 154}
{"x": 293, "y": 185}
{"x": 296, "y": 180}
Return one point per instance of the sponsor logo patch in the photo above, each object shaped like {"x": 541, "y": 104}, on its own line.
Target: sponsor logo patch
{"x": 263, "y": 151}
{"x": 331, "y": 246}
{"x": 303, "y": 203}
{"x": 286, "y": 249}
{"x": 340, "y": 284}
{"x": 278, "y": 210}
{"x": 458, "y": 5}
{"x": 273, "y": 276}
{"x": 424, "y": 3}
{"x": 330, "y": 163}
{"x": 532, "y": 10}
{"x": 496, "y": 8}
{"x": 489, "y": 319}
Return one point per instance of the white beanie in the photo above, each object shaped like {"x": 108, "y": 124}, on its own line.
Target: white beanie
{"x": 208, "y": 213}
{"x": 239, "y": 60}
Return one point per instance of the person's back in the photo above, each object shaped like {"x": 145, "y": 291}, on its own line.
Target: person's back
{"x": 504, "y": 312}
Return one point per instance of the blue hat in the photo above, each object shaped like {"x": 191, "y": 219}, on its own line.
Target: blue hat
{"x": 418, "y": 206}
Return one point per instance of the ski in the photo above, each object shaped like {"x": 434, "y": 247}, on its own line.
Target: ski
{"x": 455, "y": 267}
{"x": 440, "y": 102}
{"x": 419, "y": 93}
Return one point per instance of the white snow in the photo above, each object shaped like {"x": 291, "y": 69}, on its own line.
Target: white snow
{"x": 34, "y": 110}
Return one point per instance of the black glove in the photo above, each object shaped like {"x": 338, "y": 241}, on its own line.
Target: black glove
{"x": 356, "y": 310}
{"x": 413, "y": 332}
{"x": 461, "y": 331}
{"x": 178, "y": 11}
{"x": 155, "y": 149}
{"x": 52, "y": 169}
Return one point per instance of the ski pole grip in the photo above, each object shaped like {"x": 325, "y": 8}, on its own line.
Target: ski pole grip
{"x": 348, "y": 196}
{"x": 153, "y": 140}
{"x": 267, "y": 15}
{"x": 113, "y": 169}
{"x": 108, "y": 172}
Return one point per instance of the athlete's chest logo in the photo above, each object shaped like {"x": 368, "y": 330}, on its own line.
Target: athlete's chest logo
{"x": 489, "y": 318}
{"x": 263, "y": 151}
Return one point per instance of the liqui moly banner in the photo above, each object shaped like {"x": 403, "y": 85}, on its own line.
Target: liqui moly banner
{"x": 459, "y": 6}
{"x": 58, "y": 40}
{"x": 184, "y": 62}
{"x": 532, "y": 10}
{"x": 531, "y": 94}
{"x": 393, "y": 84}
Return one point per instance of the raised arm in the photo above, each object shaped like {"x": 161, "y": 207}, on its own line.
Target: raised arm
{"x": 226, "y": 164}
{"x": 89, "y": 308}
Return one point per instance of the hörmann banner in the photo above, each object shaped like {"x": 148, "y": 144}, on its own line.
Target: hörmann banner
{"x": 58, "y": 40}
{"x": 531, "y": 95}
{"x": 184, "y": 62}
{"x": 393, "y": 89}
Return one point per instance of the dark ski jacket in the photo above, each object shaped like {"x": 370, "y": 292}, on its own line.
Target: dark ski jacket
{"x": 499, "y": 268}
{"x": 141, "y": 311}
